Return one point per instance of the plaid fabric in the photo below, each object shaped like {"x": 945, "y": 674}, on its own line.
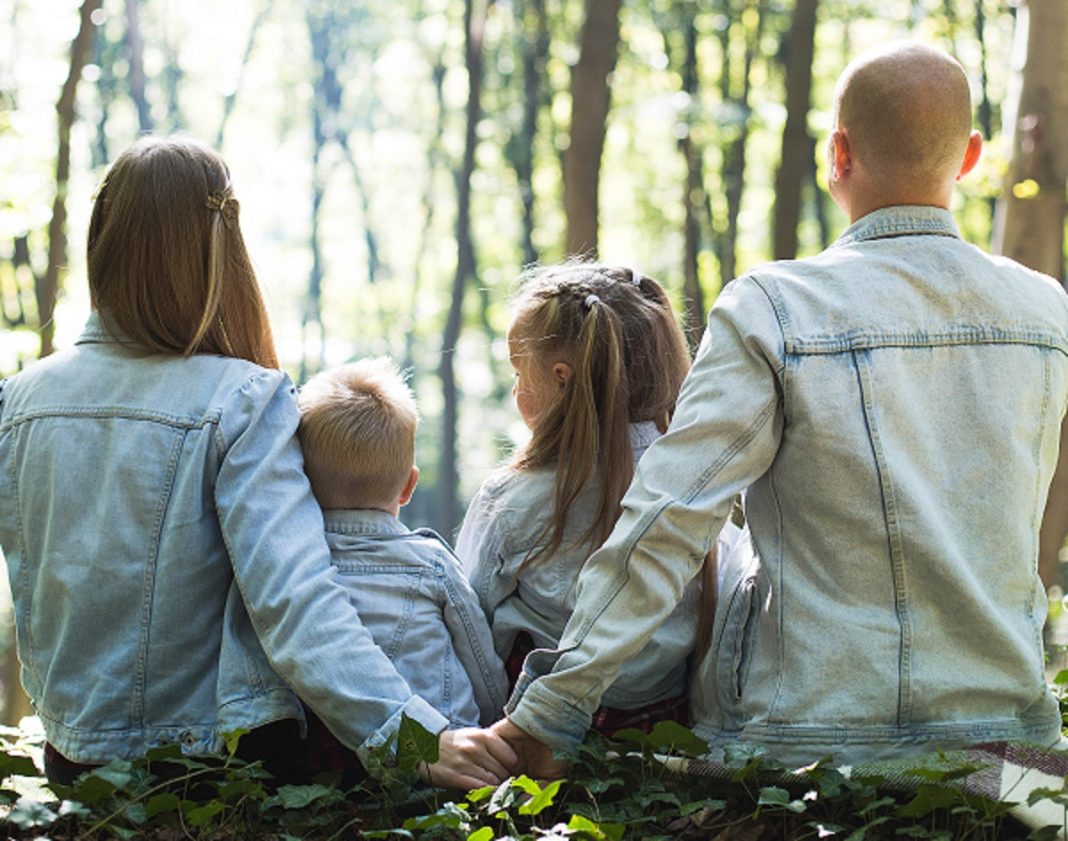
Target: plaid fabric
{"x": 606, "y": 720}
{"x": 1007, "y": 772}
{"x": 323, "y": 753}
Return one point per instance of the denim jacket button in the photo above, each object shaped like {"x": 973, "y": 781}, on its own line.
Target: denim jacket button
{"x": 187, "y": 738}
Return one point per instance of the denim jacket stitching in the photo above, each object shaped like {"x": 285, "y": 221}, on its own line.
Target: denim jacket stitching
{"x": 453, "y": 596}
{"x": 963, "y": 335}
{"x": 862, "y": 366}
{"x": 149, "y": 585}
{"x": 710, "y": 472}
{"x": 1050, "y": 427}
{"x": 121, "y": 412}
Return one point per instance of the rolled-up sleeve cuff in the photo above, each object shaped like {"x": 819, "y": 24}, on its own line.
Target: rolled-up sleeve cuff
{"x": 416, "y": 709}
{"x": 548, "y": 717}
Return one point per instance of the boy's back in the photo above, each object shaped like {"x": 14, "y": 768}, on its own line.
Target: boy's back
{"x": 414, "y": 599}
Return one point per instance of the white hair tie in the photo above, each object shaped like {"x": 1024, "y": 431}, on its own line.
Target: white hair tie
{"x": 591, "y": 299}
{"x": 635, "y": 278}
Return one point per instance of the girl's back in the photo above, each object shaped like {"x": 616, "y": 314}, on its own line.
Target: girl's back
{"x": 599, "y": 360}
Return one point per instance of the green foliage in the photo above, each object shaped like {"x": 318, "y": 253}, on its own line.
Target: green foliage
{"x": 626, "y": 788}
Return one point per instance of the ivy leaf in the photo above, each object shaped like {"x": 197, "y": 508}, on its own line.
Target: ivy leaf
{"x": 91, "y": 789}
{"x": 774, "y": 796}
{"x": 161, "y": 803}
{"x": 542, "y": 800}
{"x": 73, "y": 809}
{"x": 12, "y": 764}
{"x": 202, "y": 814}
{"x": 232, "y": 739}
{"x": 597, "y": 831}
{"x": 484, "y": 834}
{"x": 927, "y": 799}
{"x": 118, "y": 772}
{"x": 450, "y": 815}
{"x": 477, "y": 795}
{"x": 415, "y": 744}
{"x": 29, "y": 814}
{"x": 300, "y": 797}
{"x": 672, "y": 737}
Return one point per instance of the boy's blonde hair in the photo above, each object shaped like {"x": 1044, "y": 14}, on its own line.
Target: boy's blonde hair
{"x": 357, "y": 429}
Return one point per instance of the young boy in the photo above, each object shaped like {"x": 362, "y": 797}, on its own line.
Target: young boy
{"x": 357, "y": 430}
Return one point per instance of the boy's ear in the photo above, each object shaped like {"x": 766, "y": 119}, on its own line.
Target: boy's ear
{"x": 562, "y": 372}
{"x": 409, "y": 487}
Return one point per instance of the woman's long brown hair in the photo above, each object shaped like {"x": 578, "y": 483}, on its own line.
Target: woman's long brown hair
{"x": 167, "y": 263}
{"x": 628, "y": 359}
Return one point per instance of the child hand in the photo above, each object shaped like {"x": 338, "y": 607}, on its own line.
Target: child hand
{"x": 536, "y": 757}
{"x": 470, "y": 758}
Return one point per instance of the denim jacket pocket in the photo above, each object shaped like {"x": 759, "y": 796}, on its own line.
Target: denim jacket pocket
{"x": 733, "y": 646}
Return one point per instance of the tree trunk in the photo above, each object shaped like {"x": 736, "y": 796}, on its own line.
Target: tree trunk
{"x": 448, "y": 514}
{"x": 734, "y": 152}
{"x": 231, "y": 97}
{"x": 534, "y": 45}
{"x": 47, "y": 287}
{"x": 693, "y": 198}
{"x": 590, "y": 99}
{"x": 796, "y": 141}
{"x": 135, "y": 43}
{"x": 1031, "y": 213}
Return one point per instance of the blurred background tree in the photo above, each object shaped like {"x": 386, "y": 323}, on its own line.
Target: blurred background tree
{"x": 399, "y": 161}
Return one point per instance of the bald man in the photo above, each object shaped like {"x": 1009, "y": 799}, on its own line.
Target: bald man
{"x": 891, "y": 408}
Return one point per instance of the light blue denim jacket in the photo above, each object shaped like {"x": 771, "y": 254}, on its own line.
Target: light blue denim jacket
{"x": 893, "y": 406}
{"x": 504, "y": 526}
{"x": 414, "y": 599}
{"x": 170, "y": 576}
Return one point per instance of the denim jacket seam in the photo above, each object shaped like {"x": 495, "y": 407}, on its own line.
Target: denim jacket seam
{"x": 710, "y": 472}
{"x": 449, "y": 589}
{"x": 1036, "y": 456}
{"x": 964, "y": 335}
{"x": 118, "y": 412}
{"x": 895, "y": 541}
{"x": 781, "y": 319}
{"x": 29, "y": 655}
{"x": 138, "y": 711}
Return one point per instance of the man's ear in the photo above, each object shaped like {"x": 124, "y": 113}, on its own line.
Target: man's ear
{"x": 409, "y": 487}
{"x": 562, "y": 373}
{"x": 971, "y": 154}
{"x": 840, "y": 154}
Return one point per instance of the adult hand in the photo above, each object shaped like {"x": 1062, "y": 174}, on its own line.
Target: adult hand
{"x": 470, "y": 758}
{"x": 536, "y": 758}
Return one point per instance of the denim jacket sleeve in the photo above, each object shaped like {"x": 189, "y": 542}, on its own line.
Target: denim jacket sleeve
{"x": 480, "y": 547}
{"x": 725, "y": 433}
{"x": 473, "y": 642}
{"x": 273, "y": 531}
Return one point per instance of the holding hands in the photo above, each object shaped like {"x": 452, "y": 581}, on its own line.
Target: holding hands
{"x": 472, "y": 757}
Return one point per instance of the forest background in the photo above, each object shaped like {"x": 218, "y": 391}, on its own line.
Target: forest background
{"x": 398, "y": 162}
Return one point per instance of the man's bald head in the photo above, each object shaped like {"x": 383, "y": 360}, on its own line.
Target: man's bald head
{"x": 906, "y": 110}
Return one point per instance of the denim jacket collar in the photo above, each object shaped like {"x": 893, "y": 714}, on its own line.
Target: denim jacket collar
{"x": 369, "y": 521}
{"x": 98, "y": 328}
{"x": 642, "y": 434}
{"x": 899, "y": 221}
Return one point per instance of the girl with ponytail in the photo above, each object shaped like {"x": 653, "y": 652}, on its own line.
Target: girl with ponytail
{"x": 599, "y": 359}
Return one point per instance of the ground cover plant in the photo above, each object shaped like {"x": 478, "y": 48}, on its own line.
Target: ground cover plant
{"x": 617, "y": 789}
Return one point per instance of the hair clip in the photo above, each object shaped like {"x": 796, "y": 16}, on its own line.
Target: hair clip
{"x": 591, "y": 299}
{"x": 225, "y": 203}
{"x": 636, "y": 278}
